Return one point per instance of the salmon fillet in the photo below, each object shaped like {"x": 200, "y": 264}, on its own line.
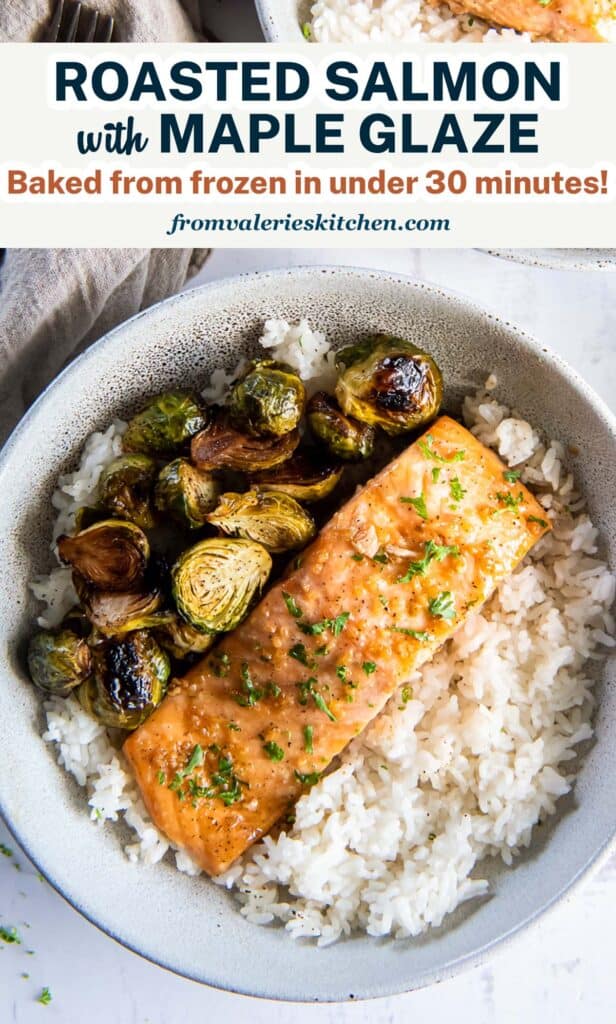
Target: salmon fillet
{"x": 392, "y": 575}
{"x": 562, "y": 21}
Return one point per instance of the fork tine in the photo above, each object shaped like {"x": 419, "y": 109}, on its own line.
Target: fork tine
{"x": 51, "y": 34}
{"x": 90, "y": 32}
{"x": 71, "y": 31}
{"x": 105, "y": 29}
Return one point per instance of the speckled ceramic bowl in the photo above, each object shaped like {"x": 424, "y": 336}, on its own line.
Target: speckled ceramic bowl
{"x": 560, "y": 259}
{"x": 189, "y": 924}
{"x": 281, "y": 20}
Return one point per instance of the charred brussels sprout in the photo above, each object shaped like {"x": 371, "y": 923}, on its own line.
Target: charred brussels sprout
{"x": 270, "y": 518}
{"x": 186, "y": 492}
{"x": 345, "y": 437}
{"x": 221, "y": 446}
{"x": 304, "y": 477}
{"x": 215, "y": 581}
{"x": 388, "y": 382}
{"x": 125, "y": 489}
{"x": 87, "y": 515}
{"x": 166, "y": 424}
{"x": 113, "y": 613}
{"x": 182, "y": 640}
{"x": 129, "y": 680}
{"x": 58, "y": 662}
{"x": 111, "y": 555}
{"x": 268, "y": 401}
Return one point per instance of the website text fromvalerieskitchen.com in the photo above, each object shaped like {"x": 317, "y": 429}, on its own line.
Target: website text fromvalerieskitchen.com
{"x": 225, "y": 145}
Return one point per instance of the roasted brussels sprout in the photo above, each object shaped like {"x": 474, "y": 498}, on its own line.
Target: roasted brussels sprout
{"x": 125, "y": 489}
{"x": 215, "y": 581}
{"x": 113, "y": 613}
{"x": 345, "y": 437}
{"x": 221, "y": 446}
{"x": 186, "y": 492}
{"x": 305, "y": 477}
{"x": 166, "y": 424}
{"x": 87, "y": 515}
{"x": 111, "y": 555}
{"x": 270, "y": 518}
{"x": 129, "y": 680}
{"x": 268, "y": 400}
{"x": 181, "y": 640}
{"x": 388, "y": 382}
{"x": 58, "y": 662}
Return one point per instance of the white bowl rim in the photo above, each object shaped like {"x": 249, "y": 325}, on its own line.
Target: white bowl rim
{"x": 584, "y": 873}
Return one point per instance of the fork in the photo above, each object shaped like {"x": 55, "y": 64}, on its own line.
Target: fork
{"x": 75, "y": 22}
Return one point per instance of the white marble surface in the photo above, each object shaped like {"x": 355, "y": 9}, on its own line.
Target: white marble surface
{"x": 561, "y": 972}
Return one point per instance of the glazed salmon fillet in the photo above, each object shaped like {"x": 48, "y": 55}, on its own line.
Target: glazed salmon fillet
{"x": 562, "y": 21}
{"x": 387, "y": 581}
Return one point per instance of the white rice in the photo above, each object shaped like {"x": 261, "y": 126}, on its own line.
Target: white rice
{"x": 381, "y": 21}
{"x": 465, "y": 769}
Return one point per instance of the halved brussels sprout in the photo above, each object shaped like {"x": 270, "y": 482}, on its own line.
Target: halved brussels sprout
{"x": 345, "y": 437}
{"x": 270, "y": 518}
{"x": 129, "y": 680}
{"x": 305, "y": 477}
{"x": 221, "y": 446}
{"x": 114, "y": 613}
{"x": 87, "y": 515}
{"x": 268, "y": 400}
{"x": 215, "y": 581}
{"x": 125, "y": 488}
{"x": 181, "y": 640}
{"x": 388, "y": 382}
{"x": 58, "y": 662}
{"x": 186, "y": 492}
{"x": 111, "y": 555}
{"x": 166, "y": 424}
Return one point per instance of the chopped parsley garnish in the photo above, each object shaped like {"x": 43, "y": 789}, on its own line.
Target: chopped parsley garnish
{"x": 432, "y": 553}
{"x": 250, "y": 693}
{"x": 436, "y": 472}
{"x": 299, "y": 652}
{"x": 416, "y": 634}
{"x": 357, "y": 557}
{"x": 160, "y": 777}
{"x": 233, "y": 726}
{"x": 419, "y": 504}
{"x": 512, "y": 475}
{"x": 322, "y": 706}
{"x": 381, "y": 558}
{"x": 308, "y": 778}
{"x": 456, "y": 489}
{"x": 544, "y": 3}
{"x": 272, "y": 690}
{"x": 308, "y": 734}
{"x": 224, "y": 784}
{"x": 5, "y": 850}
{"x": 334, "y": 625}
{"x": 45, "y": 997}
{"x": 536, "y": 519}
{"x": 383, "y": 601}
{"x": 443, "y": 606}
{"x": 369, "y": 667}
{"x": 194, "y": 761}
{"x": 341, "y": 672}
{"x": 220, "y": 666}
{"x": 273, "y": 751}
{"x": 307, "y": 31}
{"x": 509, "y": 499}
{"x": 427, "y": 450}
{"x": 406, "y": 694}
{"x": 292, "y": 606}
{"x": 10, "y": 935}
{"x": 321, "y": 651}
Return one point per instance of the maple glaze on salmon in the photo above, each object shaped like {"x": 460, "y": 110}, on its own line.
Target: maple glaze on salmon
{"x": 562, "y": 21}
{"x": 390, "y": 577}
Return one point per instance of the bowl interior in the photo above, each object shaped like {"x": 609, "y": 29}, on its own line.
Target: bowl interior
{"x": 190, "y": 925}
{"x": 281, "y": 20}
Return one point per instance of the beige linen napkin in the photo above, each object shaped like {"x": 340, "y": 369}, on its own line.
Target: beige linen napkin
{"x": 54, "y": 302}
